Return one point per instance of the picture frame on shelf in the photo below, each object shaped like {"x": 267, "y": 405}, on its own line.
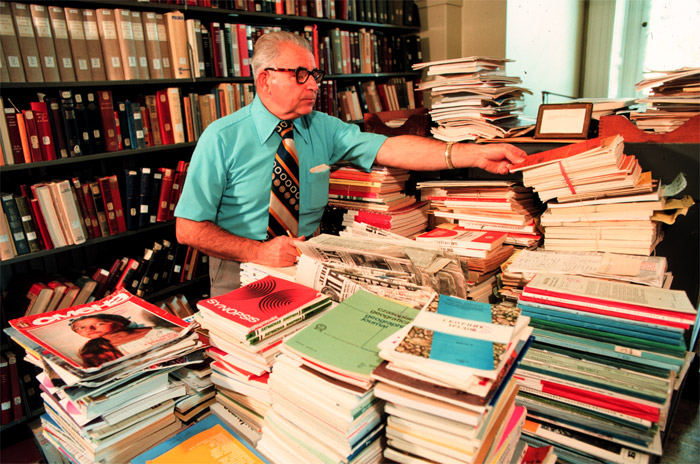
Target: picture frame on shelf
{"x": 563, "y": 121}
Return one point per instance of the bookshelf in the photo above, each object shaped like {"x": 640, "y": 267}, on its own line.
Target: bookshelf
{"x": 101, "y": 251}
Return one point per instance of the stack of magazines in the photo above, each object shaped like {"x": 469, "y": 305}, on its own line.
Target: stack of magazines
{"x": 608, "y": 357}
{"x": 472, "y": 98}
{"x": 246, "y": 327}
{"x": 105, "y": 374}
{"x": 447, "y": 380}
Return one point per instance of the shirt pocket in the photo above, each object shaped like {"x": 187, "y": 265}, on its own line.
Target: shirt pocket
{"x": 317, "y": 186}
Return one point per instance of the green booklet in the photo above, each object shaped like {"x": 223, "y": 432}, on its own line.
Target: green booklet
{"x": 343, "y": 342}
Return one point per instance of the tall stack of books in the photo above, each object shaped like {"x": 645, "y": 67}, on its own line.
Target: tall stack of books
{"x": 323, "y": 405}
{"x": 604, "y": 202}
{"x": 489, "y": 205}
{"x": 246, "y": 327}
{"x": 106, "y": 375}
{"x": 448, "y": 383}
{"x": 609, "y": 358}
{"x": 472, "y": 97}
{"x": 673, "y": 98}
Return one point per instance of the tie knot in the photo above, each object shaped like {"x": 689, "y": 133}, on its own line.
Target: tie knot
{"x": 285, "y": 129}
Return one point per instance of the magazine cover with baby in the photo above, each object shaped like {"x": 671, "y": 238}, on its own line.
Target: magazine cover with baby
{"x": 96, "y": 335}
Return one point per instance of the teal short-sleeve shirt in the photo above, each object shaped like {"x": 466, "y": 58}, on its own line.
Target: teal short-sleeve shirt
{"x": 230, "y": 173}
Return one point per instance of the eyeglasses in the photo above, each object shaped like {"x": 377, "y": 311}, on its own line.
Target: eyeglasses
{"x": 302, "y": 74}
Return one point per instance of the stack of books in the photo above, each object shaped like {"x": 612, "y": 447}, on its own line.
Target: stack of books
{"x": 448, "y": 383}
{"x": 673, "y": 98}
{"x": 472, "y": 97}
{"x": 323, "y": 404}
{"x": 604, "y": 202}
{"x": 250, "y": 272}
{"x": 381, "y": 189}
{"x": 199, "y": 392}
{"x": 489, "y": 205}
{"x": 246, "y": 327}
{"x": 105, "y": 374}
{"x": 471, "y": 245}
{"x": 609, "y": 357}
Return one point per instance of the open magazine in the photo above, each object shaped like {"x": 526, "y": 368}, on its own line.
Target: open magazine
{"x": 99, "y": 337}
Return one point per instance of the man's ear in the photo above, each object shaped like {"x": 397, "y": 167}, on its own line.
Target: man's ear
{"x": 262, "y": 83}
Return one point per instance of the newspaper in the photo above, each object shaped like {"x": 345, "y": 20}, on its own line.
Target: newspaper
{"x": 422, "y": 267}
{"x": 339, "y": 282}
{"x": 646, "y": 270}
{"x": 59, "y": 336}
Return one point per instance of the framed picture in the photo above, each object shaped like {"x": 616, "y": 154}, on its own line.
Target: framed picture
{"x": 563, "y": 121}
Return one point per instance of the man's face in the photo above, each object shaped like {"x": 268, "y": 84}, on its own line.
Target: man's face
{"x": 283, "y": 95}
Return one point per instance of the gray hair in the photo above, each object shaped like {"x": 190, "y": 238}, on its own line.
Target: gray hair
{"x": 267, "y": 48}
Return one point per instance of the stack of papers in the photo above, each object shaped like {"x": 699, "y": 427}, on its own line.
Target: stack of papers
{"x": 604, "y": 202}
{"x": 674, "y": 97}
{"x": 105, "y": 374}
{"x": 472, "y": 97}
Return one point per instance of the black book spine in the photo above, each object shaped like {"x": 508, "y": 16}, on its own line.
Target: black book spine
{"x": 70, "y": 124}
{"x": 94, "y": 118}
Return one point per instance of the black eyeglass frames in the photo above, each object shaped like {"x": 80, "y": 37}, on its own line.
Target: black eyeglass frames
{"x": 302, "y": 74}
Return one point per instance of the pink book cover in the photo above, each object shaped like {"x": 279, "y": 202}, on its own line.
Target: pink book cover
{"x": 261, "y": 302}
{"x": 464, "y": 238}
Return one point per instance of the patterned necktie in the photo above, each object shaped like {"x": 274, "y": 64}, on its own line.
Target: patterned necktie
{"x": 284, "y": 195}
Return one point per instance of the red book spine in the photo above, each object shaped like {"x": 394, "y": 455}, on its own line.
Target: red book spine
{"x": 18, "y": 413}
{"x": 43, "y": 127}
{"x": 166, "y": 187}
{"x": 164, "y": 121}
{"x": 243, "y": 50}
{"x": 117, "y": 199}
{"x": 129, "y": 271}
{"x": 41, "y": 224}
{"x": 147, "y": 130}
{"x": 87, "y": 208}
{"x": 217, "y": 63}
{"x": 15, "y": 139}
{"x": 32, "y": 135}
{"x": 109, "y": 124}
{"x": 118, "y": 130}
{"x": 106, "y": 192}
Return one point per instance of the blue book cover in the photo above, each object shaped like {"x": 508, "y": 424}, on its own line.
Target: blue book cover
{"x": 210, "y": 439}
{"x": 124, "y": 125}
{"x": 463, "y": 334}
{"x": 670, "y": 338}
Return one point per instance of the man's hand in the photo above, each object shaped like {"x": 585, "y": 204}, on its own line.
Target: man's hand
{"x": 498, "y": 158}
{"x": 279, "y": 252}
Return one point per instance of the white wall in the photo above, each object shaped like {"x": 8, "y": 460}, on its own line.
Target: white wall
{"x": 544, "y": 37}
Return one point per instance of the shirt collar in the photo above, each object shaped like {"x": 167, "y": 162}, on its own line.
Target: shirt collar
{"x": 265, "y": 122}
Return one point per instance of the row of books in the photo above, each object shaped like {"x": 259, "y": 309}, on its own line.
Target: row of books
{"x": 369, "y": 97}
{"x": 162, "y": 264}
{"x": 397, "y": 12}
{"x": 66, "y": 212}
{"x": 82, "y": 123}
{"x": 51, "y": 44}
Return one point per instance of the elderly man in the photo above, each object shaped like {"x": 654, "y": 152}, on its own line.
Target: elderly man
{"x": 258, "y": 178}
